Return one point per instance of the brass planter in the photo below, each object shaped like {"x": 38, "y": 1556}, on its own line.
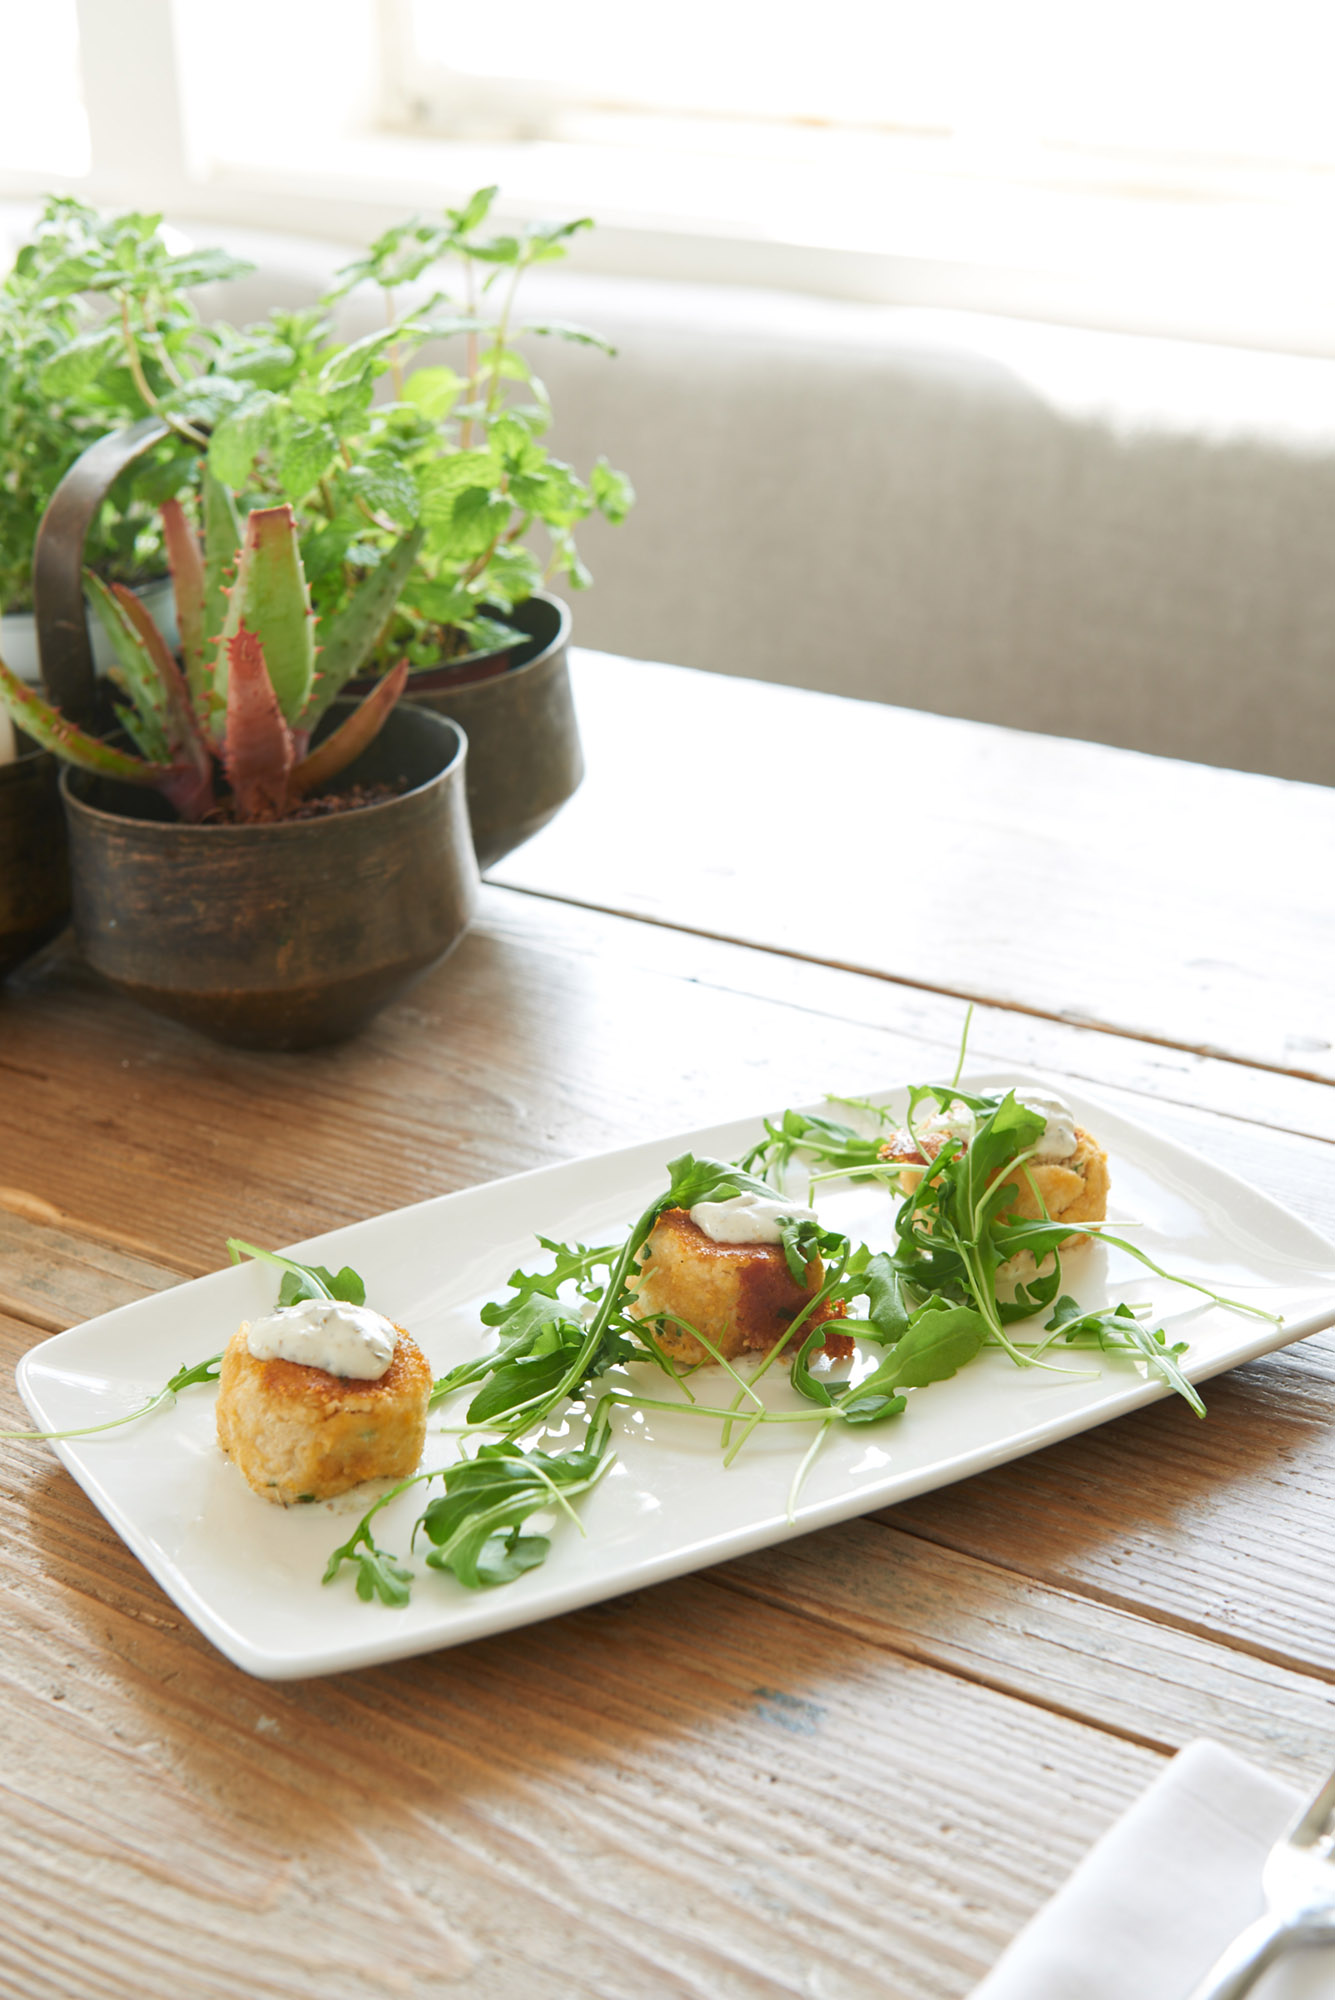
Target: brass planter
{"x": 282, "y": 936}
{"x": 34, "y": 868}
{"x": 524, "y": 756}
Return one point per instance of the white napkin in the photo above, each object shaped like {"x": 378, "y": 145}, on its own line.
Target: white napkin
{"x": 1153, "y": 1904}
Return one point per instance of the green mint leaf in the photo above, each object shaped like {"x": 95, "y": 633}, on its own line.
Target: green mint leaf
{"x": 613, "y": 493}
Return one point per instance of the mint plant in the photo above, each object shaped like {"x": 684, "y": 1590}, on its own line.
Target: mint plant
{"x": 96, "y": 329}
{"x": 366, "y": 447}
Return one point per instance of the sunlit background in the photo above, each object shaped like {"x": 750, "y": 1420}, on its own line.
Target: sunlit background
{"x": 1167, "y": 165}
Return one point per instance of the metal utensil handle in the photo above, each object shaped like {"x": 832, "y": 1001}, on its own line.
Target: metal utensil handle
{"x": 63, "y": 645}
{"x": 1237, "y": 1970}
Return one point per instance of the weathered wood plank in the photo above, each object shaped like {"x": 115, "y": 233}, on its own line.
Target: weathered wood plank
{"x": 683, "y": 1792}
{"x": 1148, "y": 1680}
{"x": 1221, "y": 1527}
{"x": 918, "y": 1026}
{"x": 539, "y": 1040}
{"x": 53, "y": 1277}
{"x": 1168, "y": 900}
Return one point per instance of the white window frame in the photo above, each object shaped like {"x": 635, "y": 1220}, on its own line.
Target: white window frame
{"x": 143, "y": 154}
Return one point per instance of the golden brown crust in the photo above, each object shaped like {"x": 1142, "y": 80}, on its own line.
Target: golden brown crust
{"x": 1074, "y": 1189}
{"x": 741, "y": 1296}
{"x": 299, "y": 1433}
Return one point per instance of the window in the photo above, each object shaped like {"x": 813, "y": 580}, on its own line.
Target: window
{"x": 1166, "y": 165}
{"x": 44, "y": 129}
{"x": 1156, "y": 97}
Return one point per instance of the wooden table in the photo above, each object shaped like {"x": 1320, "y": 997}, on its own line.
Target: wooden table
{"x": 851, "y": 1766}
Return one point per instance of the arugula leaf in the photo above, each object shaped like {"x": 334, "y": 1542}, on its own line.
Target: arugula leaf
{"x": 573, "y": 1263}
{"x": 315, "y": 1282}
{"x": 302, "y": 1281}
{"x": 839, "y": 1147}
{"x": 800, "y": 1374}
{"x": 475, "y": 1524}
{"x": 888, "y": 1308}
{"x": 693, "y": 1180}
{"x": 939, "y": 1341}
{"x": 194, "y": 1376}
{"x": 873, "y": 1399}
{"x": 517, "y": 1383}
{"x": 379, "y": 1574}
{"x": 189, "y": 1376}
{"x": 1118, "y": 1328}
{"x": 802, "y": 1240}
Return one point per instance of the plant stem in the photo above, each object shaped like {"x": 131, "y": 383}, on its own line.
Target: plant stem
{"x": 237, "y": 1250}
{"x": 141, "y": 382}
{"x": 394, "y": 356}
{"x": 799, "y": 1477}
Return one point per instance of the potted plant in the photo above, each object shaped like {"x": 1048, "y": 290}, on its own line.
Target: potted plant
{"x": 92, "y": 315}
{"x": 261, "y": 859}
{"x": 96, "y": 324}
{"x": 453, "y": 451}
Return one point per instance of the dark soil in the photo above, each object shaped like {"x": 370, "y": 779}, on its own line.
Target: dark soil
{"x": 319, "y": 807}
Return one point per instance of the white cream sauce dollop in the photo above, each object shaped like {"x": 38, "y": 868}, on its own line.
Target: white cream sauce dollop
{"x": 949, "y": 1121}
{"x": 748, "y": 1218}
{"x": 351, "y": 1341}
{"x": 1058, "y": 1141}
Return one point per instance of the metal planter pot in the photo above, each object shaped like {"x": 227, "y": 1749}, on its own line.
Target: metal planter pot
{"x": 524, "y": 756}
{"x": 282, "y": 936}
{"x": 34, "y": 869}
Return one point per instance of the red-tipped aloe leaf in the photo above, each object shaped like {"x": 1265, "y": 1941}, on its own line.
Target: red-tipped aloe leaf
{"x": 187, "y": 567}
{"x": 222, "y": 546}
{"x": 269, "y": 599}
{"x": 138, "y": 673}
{"x": 190, "y": 787}
{"x": 184, "y": 736}
{"x": 47, "y": 726}
{"x": 257, "y": 754}
{"x": 346, "y": 640}
{"x": 351, "y": 737}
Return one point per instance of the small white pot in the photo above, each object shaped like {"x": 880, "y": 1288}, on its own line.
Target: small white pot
{"x": 18, "y": 632}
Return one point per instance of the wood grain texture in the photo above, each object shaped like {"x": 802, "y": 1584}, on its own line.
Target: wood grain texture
{"x": 1150, "y": 1681}
{"x": 918, "y": 1027}
{"x": 683, "y": 1792}
{"x": 1221, "y": 1527}
{"x": 848, "y": 1767}
{"x": 550, "y": 1033}
{"x": 53, "y": 1277}
{"x": 1172, "y": 901}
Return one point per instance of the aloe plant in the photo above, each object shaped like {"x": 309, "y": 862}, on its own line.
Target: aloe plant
{"x": 253, "y": 680}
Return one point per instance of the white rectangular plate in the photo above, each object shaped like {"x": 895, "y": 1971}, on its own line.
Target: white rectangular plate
{"x": 248, "y": 1574}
